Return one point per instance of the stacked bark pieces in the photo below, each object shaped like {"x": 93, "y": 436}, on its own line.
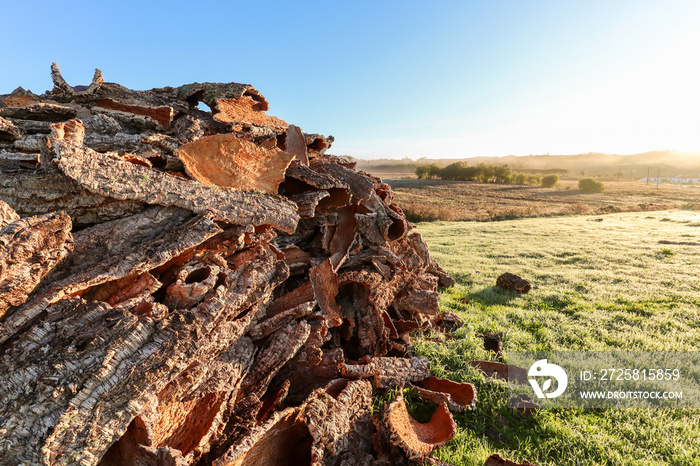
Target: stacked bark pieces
{"x": 181, "y": 286}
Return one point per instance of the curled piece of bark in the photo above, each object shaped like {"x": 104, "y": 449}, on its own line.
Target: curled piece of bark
{"x": 419, "y": 297}
{"x": 318, "y": 143}
{"x": 209, "y": 93}
{"x": 389, "y": 372}
{"x": 448, "y": 321}
{"x": 404, "y": 327}
{"x": 294, "y": 298}
{"x": 61, "y": 83}
{"x": 227, "y": 161}
{"x": 132, "y": 287}
{"x": 193, "y": 282}
{"x": 298, "y": 260}
{"x": 29, "y": 249}
{"x": 457, "y": 396}
{"x": 344, "y": 237}
{"x": 110, "y": 176}
{"x": 306, "y": 374}
{"x": 417, "y": 440}
{"x": 499, "y": 370}
{"x": 18, "y": 98}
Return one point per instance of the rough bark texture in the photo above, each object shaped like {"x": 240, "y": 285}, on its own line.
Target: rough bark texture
{"x": 177, "y": 293}
{"x": 108, "y": 175}
{"x": 7, "y": 214}
{"x": 29, "y": 249}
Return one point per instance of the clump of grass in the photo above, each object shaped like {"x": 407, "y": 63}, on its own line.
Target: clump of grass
{"x": 591, "y": 185}
{"x": 666, "y": 252}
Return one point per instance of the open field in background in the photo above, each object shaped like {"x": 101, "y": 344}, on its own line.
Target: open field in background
{"x": 428, "y": 200}
{"x": 597, "y": 285}
{"x": 606, "y": 167}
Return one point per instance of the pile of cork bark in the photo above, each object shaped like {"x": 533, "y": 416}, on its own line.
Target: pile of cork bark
{"x": 187, "y": 286}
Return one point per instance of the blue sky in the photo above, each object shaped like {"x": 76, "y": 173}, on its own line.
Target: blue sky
{"x": 395, "y": 79}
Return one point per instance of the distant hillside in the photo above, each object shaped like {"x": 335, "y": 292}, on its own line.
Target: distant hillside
{"x": 607, "y": 166}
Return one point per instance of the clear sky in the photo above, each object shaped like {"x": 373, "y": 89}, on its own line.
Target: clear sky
{"x": 398, "y": 78}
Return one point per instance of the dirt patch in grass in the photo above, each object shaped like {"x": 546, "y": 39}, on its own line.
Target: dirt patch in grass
{"x": 430, "y": 200}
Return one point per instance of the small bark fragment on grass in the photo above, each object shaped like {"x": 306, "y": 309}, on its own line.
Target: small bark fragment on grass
{"x": 513, "y": 282}
{"x": 417, "y": 440}
{"x": 457, "y": 396}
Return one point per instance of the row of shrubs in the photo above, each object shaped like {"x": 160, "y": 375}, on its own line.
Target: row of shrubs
{"x": 482, "y": 173}
{"x": 460, "y": 171}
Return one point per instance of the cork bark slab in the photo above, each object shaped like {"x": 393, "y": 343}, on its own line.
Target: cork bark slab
{"x": 227, "y": 161}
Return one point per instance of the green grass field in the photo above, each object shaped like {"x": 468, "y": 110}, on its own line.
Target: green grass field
{"x": 599, "y": 283}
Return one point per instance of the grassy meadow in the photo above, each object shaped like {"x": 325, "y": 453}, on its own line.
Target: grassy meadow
{"x": 599, "y": 283}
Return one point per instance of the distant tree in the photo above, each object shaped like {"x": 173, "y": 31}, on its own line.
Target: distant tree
{"x": 454, "y": 171}
{"x": 502, "y": 174}
{"x": 422, "y": 171}
{"x": 549, "y": 181}
{"x": 591, "y": 185}
{"x": 434, "y": 170}
{"x": 534, "y": 179}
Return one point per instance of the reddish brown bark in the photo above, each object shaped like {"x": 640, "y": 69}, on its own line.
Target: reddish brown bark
{"x": 215, "y": 303}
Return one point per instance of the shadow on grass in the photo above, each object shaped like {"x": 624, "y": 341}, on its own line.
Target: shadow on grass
{"x": 492, "y": 295}
{"x": 463, "y": 278}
